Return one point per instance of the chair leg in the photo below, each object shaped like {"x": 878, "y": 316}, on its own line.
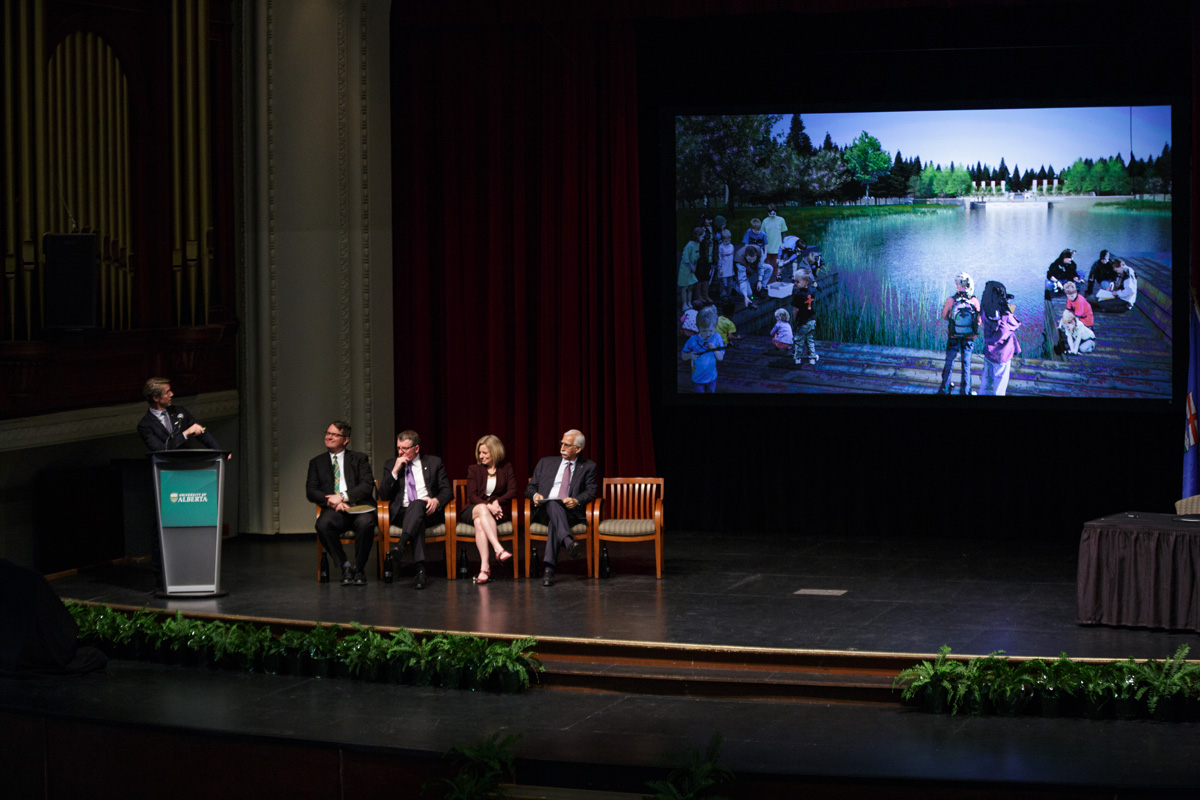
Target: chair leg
{"x": 658, "y": 555}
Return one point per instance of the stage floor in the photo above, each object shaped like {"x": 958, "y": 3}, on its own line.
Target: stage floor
{"x": 907, "y": 596}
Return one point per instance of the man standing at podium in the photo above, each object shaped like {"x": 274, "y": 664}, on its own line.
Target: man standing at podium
{"x": 168, "y": 427}
{"x": 339, "y": 479}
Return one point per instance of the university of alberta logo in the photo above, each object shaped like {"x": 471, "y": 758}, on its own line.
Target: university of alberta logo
{"x": 189, "y": 497}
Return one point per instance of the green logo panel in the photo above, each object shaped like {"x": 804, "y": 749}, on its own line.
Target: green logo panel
{"x": 188, "y": 498}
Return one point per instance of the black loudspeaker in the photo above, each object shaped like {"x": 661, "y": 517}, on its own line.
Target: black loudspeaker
{"x": 71, "y": 280}
{"x": 37, "y": 633}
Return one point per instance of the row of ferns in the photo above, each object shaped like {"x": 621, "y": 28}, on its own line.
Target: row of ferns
{"x": 993, "y": 684}
{"x": 324, "y": 651}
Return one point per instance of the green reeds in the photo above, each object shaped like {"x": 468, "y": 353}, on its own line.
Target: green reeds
{"x": 870, "y": 307}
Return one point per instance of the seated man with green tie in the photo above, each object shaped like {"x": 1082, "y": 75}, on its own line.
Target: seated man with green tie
{"x": 338, "y": 480}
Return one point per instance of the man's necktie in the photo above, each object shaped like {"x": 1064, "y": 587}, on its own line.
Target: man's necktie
{"x": 337, "y": 476}
{"x": 411, "y": 483}
{"x": 564, "y": 488}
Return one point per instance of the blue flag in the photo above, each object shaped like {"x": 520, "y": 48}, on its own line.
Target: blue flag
{"x": 1191, "y": 432}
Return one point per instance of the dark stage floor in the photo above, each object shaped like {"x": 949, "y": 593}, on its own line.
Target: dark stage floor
{"x": 739, "y": 590}
{"x": 899, "y": 596}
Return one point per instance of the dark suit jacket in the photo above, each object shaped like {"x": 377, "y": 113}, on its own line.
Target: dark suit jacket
{"x": 157, "y": 438}
{"x": 435, "y": 483}
{"x": 360, "y": 483}
{"x": 506, "y": 488}
{"x": 583, "y": 482}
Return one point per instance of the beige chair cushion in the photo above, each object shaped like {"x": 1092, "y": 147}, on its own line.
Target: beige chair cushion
{"x": 462, "y": 531}
{"x": 437, "y": 530}
{"x": 627, "y": 527}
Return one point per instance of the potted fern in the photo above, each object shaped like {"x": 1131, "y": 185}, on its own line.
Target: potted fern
{"x": 322, "y": 649}
{"x": 1167, "y": 684}
{"x": 401, "y": 653}
{"x": 295, "y": 652}
{"x": 931, "y": 682}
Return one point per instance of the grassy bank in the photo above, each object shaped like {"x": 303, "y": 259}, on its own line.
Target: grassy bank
{"x": 808, "y": 222}
{"x": 1155, "y": 207}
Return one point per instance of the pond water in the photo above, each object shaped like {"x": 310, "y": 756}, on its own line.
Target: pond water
{"x": 1013, "y": 243}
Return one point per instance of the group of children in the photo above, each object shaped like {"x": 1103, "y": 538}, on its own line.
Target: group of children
{"x": 709, "y": 334}
{"x": 741, "y": 275}
{"x": 1112, "y": 280}
{"x": 711, "y": 261}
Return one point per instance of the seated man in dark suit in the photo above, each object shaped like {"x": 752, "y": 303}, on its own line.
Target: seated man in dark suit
{"x": 167, "y": 427}
{"x": 416, "y": 486}
{"x": 337, "y": 480}
{"x": 568, "y": 477}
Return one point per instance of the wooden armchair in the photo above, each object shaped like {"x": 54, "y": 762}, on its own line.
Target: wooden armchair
{"x": 348, "y": 539}
{"x": 633, "y": 512}
{"x": 464, "y": 530}
{"x": 434, "y": 534}
{"x": 536, "y": 531}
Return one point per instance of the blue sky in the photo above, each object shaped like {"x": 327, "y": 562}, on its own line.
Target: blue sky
{"x": 1028, "y": 138}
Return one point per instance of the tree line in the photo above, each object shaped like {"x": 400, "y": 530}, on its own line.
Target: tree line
{"x": 737, "y": 160}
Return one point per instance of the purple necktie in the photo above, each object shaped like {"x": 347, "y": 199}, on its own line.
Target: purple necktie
{"x": 565, "y": 486}
{"x": 411, "y": 482}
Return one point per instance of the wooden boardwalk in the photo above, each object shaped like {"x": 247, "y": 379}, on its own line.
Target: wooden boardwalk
{"x": 1132, "y": 358}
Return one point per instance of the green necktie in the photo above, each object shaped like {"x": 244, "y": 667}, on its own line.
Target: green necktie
{"x": 337, "y": 476}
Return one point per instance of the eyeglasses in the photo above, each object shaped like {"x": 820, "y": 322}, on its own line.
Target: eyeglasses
{"x": 567, "y": 444}
{"x": 404, "y": 449}
{"x": 335, "y": 433}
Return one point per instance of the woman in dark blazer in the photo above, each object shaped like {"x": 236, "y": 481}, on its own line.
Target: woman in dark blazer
{"x": 491, "y": 485}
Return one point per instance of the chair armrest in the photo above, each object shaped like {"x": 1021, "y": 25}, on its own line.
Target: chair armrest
{"x": 658, "y": 514}
{"x": 593, "y": 513}
{"x": 383, "y": 517}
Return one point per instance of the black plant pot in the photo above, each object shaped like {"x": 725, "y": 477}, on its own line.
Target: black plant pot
{"x": 934, "y": 700}
{"x": 421, "y": 675}
{"x": 395, "y": 672}
{"x": 1012, "y": 705}
{"x": 272, "y": 663}
{"x": 341, "y": 670}
{"x": 1097, "y": 707}
{"x": 1050, "y": 704}
{"x": 1168, "y": 709}
{"x": 319, "y": 666}
{"x": 1126, "y": 708}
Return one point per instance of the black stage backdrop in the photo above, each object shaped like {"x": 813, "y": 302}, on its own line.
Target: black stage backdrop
{"x": 529, "y": 198}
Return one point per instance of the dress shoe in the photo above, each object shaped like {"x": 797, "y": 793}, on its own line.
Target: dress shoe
{"x": 359, "y": 578}
{"x": 576, "y": 549}
{"x": 420, "y": 584}
{"x": 547, "y": 577}
{"x": 347, "y": 575}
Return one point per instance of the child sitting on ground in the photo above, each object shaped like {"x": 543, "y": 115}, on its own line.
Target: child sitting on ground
{"x": 806, "y": 318}
{"x": 1079, "y": 338}
{"x": 781, "y": 334}
{"x": 704, "y": 350}
{"x": 1078, "y": 305}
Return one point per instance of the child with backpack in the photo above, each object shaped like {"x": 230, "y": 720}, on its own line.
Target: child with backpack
{"x": 961, "y": 313}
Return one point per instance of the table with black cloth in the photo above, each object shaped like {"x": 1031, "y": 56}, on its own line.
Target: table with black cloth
{"x": 1139, "y": 569}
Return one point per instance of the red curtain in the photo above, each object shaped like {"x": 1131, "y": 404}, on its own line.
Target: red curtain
{"x": 518, "y": 291}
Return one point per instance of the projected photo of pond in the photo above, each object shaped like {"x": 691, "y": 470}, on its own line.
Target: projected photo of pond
{"x": 845, "y": 253}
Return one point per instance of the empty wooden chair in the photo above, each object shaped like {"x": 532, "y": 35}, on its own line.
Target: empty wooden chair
{"x": 633, "y": 512}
